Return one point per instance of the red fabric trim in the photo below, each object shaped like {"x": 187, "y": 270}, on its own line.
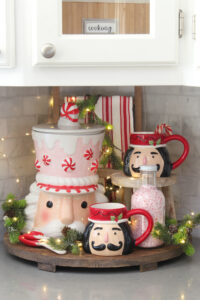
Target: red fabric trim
{"x": 103, "y": 118}
{"x": 111, "y": 116}
{"x": 107, "y": 110}
{"x": 121, "y": 125}
{"x": 69, "y": 188}
{"x": 129, "y": 119}
{"x": 125, "y": 124}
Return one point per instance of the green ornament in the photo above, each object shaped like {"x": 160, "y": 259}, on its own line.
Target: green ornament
{"x": 112, "y": 218}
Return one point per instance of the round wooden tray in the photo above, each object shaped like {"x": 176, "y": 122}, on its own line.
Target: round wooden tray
{"x": 147, "y": 259}
{"x": 120, "y": 179}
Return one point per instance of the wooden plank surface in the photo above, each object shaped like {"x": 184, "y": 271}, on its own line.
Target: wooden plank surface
{"x": 48, "y": 260}
{"x": 120, "y": 179}
{"x": 133, "y": 17}
{"x": 138, "y": 109}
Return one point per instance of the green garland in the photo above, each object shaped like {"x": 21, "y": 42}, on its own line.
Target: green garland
{"x": 108, "y": 149}
{"x": 178, "y": 232}
{"x": 15, "y": 221}
{"x": 14, "y": 217}
{"x": 69, "y": 242}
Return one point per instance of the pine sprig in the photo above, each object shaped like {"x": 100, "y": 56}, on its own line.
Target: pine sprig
{"x": 57, "y": 243}
{"x": 110, "y": 155}
{"x": 68, "y": 242}
{"x": 88, "y": 104}
{"x": 14, "y": 217}
{"x": 161, "y": 232}
{"x": 177, "y": 233}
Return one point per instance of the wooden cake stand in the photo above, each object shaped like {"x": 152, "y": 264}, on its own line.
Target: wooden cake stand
{"x": 164, "y": 183}
{"x": 146, "y": 259}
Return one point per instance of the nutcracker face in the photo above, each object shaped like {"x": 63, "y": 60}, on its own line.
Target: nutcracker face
{"x": 145, "y": 156}
{"x": 55, "y": 211}
{"x": 106, "y": 239}
{"x": 138, "y": 156}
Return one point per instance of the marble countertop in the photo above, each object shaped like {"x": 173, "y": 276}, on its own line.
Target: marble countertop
{"x": 177, "y": 279}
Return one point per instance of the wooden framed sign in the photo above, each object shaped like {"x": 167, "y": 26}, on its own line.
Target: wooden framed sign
{"x": 100, "y": 26}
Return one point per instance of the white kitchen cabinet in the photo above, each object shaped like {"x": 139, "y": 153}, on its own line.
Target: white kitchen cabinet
{"x": 7, "y": 36}
{"x": 190, "y": 44}
{"x": 52, "y": 48}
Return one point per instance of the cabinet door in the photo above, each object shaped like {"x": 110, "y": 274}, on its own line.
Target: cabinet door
{"x": 7, "y": 37}
{"x": 190, "y": 57}
{"x": 105, "y": 32}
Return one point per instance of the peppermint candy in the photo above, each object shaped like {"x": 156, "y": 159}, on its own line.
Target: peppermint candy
{"x": 68, "y": 164}
{"x": 37, "y": 165}
{"x": 46, "y": 160}
{"x": 70, "y": 111}
{"x": 95, "y": 166}
{"x": 88, "y": 154}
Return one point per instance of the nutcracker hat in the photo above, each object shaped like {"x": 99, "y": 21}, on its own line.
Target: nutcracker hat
{"x": 67, "y": 154}
{"x": 149, "y": 139}
{"x": 108, "y": 213}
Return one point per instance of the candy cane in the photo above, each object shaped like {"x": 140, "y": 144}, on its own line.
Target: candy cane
{"x": 163, "y": 129}
{"x": 37, "y": 239}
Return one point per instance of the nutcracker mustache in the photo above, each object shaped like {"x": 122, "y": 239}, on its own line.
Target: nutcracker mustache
{"x": 137, "y": 170}
{"x": 110, "y": 247}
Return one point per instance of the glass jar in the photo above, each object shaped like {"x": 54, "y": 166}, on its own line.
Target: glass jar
{"x": 149, "y": 198}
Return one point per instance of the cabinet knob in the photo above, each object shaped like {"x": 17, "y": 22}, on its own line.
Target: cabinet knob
{"x": 48, "y": 50}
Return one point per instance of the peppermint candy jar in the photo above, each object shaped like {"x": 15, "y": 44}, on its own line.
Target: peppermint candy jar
{"x": 67, "y": 159}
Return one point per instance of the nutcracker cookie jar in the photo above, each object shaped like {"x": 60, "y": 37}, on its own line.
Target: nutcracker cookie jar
{"x": 66, "y": 183}
{"x": 149, "y": 148}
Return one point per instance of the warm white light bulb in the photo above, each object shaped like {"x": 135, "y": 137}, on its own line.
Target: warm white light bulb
{"x": 182, "y": 297}
{"x": 44, "y": 288}
{"x": 51, "y": 102}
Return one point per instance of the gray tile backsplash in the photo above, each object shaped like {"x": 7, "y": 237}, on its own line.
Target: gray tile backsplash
{"x": 180, "y": 108}
{"x": 20, "y": 109}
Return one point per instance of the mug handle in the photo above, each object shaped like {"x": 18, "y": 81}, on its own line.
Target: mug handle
{"x": 145, "y": 213}
{"x": 185, "y": 151}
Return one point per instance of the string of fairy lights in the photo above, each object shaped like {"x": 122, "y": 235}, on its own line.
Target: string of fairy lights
{"x": 4, "y": 155}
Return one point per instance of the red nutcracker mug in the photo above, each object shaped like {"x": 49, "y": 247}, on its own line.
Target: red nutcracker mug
{"x": 149, "y": 148}
{"x": 108, "y": 232}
